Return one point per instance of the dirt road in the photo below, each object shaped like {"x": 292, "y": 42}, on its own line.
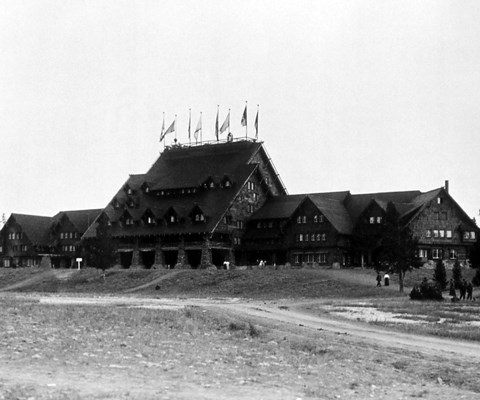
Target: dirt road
{"x": 280, "y": 312}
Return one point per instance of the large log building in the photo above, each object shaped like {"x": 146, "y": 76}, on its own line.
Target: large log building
{"x": 205, "y": 204}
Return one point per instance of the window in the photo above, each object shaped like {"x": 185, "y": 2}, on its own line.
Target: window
{"x": 324, "y": 237}
{"x": 6, "y": 263}
{"x": 30, "y": 262}
{"x": 315, "y": 218}
{"x": 240, "y": 224}
{"x": 24, "y": 247}
{"x": 150, "y": 220}
{"x": 61, "y": 235}
{"x": 428, "y": 233}
{"x": 435, "y": 254}
{"x": 322, "y": 258}
{"x": 250, "y": 208}
{"x": 128, "y": 221}
{"x": 299, "y": 219}
{"x": 250, "y": 185}
{"x": 372, "y": 220}
{"x": 319, "y": 237}
{"x": 255, "y": 196}
{"x": 321, "y": 219}
{"x": 129, "y": 191}
{"x": 422, "y": 253}
{"x": 379, "y": 220}
{"x": 435, "y": 233}
{"x": 304, "y": 219}
{"x": 466, "y": 235}
{"x": 300, "y": 237}
{"x": 237, "y": 241}
{"x": 296, "y": 258}
{"x": 452, "y": 254}
{"x": 439, "y": 200}
{"x": 1, "y": 249}
{"x": 306, "y": 236}
{"x": 442, "y": 233}
{"x": 312, "y": 237}
{"x": 449, "y": 234}
{"x": 19, "y": 236}
{"x": 472, "y": 235}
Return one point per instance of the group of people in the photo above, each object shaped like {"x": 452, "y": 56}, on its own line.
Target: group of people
{"x": 386, "y": 279}
{"x": 465, "y": 288}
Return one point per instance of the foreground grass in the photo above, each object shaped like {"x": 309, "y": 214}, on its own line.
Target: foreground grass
{"x": 78, "y": 352}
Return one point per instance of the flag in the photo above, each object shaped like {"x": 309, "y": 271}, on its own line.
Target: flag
{"x": 163, "y": 128}
{"x": 216, "y": 125}
{"x": 244, "y": 117}
{"x": 189, "y": 123}
{"x": 226, "y": 123}
{"x": 170, "y": 129}
{"x": 256, "y": 126}
{"x": 198, "y": 128}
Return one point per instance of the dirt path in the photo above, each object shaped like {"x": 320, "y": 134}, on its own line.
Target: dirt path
{"x": 372, "y": 334}
{"x": 274, "y": 312}
{"x": 154, "y": 282}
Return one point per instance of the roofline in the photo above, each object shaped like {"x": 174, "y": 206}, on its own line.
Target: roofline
{"x": 233, "y": 199}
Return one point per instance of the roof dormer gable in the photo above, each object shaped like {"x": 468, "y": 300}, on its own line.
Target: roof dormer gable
{"x": 171, "y": 216}
{"x": 209, "y": 183}
{"x": 127, "y": 219}
{"x": 148, "y": 217}
{"x": 197, "y": 215}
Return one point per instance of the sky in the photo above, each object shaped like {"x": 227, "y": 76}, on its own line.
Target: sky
{"x": 367, "y": 96}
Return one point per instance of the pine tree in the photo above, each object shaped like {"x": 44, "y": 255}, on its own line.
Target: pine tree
{"x": 440, "y": 274}
{"x": 398, "y": 245}
{"x": 457, "y": 273}
{"x": 101, "y": 253}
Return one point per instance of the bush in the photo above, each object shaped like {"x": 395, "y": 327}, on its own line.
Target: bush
{"x": 476, "y": 278}
{"x": 440, "y": 274}
{"x": 426, "y": 291}
{"x": 457, "y": 274}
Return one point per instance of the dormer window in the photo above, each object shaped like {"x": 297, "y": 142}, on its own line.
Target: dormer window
{"x": 115, "y": 204}
{"x": 172, "y": 219}
{"x": 227, "y": 184}
{"x": 128, "y": 221}
{"x": 212, "y": 185}
{"x": 199, "y": 217}
{"x": 439, "y": 200}
{"x": 130, "y": 203}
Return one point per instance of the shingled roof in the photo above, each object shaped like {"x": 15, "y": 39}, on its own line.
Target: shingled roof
{"x": 36, "y": 227}
{"x": 81, "y": 219}
{"x": 184, "y": 169}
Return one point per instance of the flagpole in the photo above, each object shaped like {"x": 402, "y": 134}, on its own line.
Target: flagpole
{"x": 189, "y": 126}
{"x": 216, "y": 122}
{"x": 201, "y": 130}
{"x": 229, "y": 121}
{"x": 256, "y": 123}
{"x": 246, "y": 121}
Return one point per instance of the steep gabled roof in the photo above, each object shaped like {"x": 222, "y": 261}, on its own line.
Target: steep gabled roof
{"x": 335, "y": 212}
{"x": 81, "y": 219}
{"x": 282, "y": 207}
{"x": 186, "y": 168}
{"x": 180, "y": 168}
{"x": 357, "y": 203}
{"x": 36, "y": 227}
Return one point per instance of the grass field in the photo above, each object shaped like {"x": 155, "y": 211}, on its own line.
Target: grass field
{"x": 94, "y": 352}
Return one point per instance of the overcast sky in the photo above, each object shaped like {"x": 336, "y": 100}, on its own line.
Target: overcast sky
{"x": 366, "y": 96}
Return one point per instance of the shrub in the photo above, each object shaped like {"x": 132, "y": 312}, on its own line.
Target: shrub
{"x": 440, "y": 274}
{"x": 476, "y": 278}
{"x": 457, "y": 274}
{"x": 426, "y": 291}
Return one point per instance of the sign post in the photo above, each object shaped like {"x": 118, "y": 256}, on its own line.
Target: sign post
{"x": 79, "y": 260}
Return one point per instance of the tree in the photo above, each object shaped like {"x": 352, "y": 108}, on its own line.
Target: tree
{"x": 457, "y": 273}
{"x": 440, "y": 274}
{"x": 101, "y": 251}
{"x": 398, "y": 245}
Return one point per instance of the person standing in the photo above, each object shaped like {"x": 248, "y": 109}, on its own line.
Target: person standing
{"x": 469, "y": 291}
{"x": 463, "y": 289}
{"x": 452, "y": 291}
{"x": 379, "y": 280}
{"x": 386, "y": 279}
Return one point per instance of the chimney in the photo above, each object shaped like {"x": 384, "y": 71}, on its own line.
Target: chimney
{"x": 446, "y": 186}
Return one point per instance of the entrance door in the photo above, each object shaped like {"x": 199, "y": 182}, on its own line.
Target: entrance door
{"x": 126, "y": 259}
{"x": 147, "y": 258}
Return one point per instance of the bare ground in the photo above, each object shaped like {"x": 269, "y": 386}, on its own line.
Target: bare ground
{"x": 58, "y": 352}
